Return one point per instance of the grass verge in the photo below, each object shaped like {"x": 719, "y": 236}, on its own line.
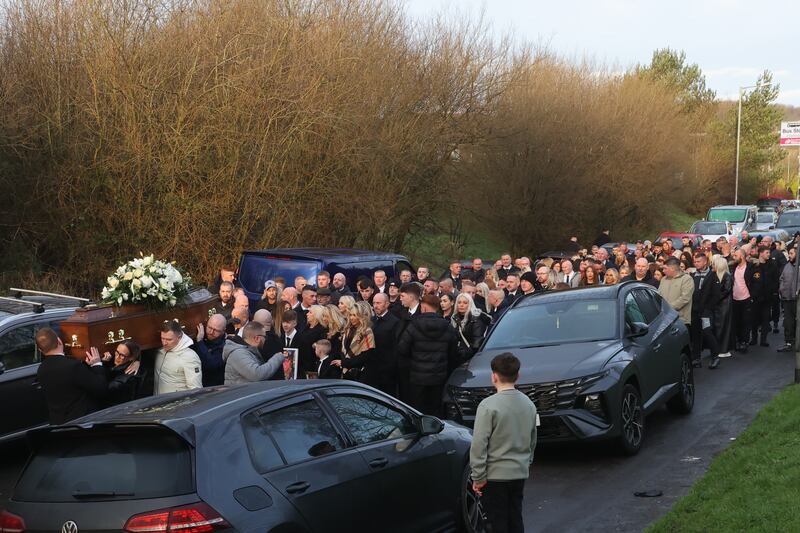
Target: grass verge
{"x": 752, "y": 485}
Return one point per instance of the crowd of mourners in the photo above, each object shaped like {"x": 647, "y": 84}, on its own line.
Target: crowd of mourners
{"x": 406, "y": 335}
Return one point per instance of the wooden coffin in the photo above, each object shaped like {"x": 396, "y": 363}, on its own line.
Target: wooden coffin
{"x": 106, "y": 326}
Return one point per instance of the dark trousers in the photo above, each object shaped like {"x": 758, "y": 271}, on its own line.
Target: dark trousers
{"x": 426, "y": 398}
{"x": 761, "y": 314}
{"x": 789, "y": 320}
{"x": 502, "y": 503}
{"x": 741, "y": 320}
{"x": 701, "y": 338}
{"x": 775, "y": 311}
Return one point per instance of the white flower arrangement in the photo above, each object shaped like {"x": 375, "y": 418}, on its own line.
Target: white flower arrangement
{"x": 146, "y": 280}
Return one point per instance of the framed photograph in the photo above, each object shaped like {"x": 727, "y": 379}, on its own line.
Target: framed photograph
{"x": 290, "y": 363}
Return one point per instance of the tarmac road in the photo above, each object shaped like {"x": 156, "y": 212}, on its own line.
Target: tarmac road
{"x": 590, "y": 488}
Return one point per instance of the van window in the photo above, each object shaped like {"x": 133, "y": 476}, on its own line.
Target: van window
{"x": 72, "y": 466}
{"x": 255, "y": 270}
{"x": 727, "y": 215}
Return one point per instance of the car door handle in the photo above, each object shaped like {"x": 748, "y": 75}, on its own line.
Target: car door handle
{"x": 36, "y": 385}
{"x": 674, "y": 331}
{"x": 656, "y": 347}
{"x": 298, "y": 488}
{"x": 379, "y": 462}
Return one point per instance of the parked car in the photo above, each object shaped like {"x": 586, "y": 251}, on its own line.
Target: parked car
{"x": 770, "y": 203}
{"x": 777, "y": 234}
{"x": 595, "y": 361}
{"x": 789, "y": 221}
{"x": 316, "y": 455}
{"x": 741, "y": 217}
{"x": 765, "y": 220}
{"x": 677, "y": 239}
{"x": 712, "y": 230}
{"x": 22, "y": 402}
{"x": 258, "y": 266}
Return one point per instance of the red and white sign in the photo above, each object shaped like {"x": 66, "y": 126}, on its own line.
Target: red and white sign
{"x": 790, "y": 133}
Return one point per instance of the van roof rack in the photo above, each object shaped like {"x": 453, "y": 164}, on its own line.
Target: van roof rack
{"x": 38, "y": 307}
{"x": 19, "y": 293}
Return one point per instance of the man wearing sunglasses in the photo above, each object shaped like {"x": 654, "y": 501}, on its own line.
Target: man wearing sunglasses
{"x": 243, "y": 363}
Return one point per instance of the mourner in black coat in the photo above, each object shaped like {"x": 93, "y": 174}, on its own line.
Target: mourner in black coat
{"x": 429, "y": 346}
{"x": 704, "y": 301}
{"x": 72, "y": 388}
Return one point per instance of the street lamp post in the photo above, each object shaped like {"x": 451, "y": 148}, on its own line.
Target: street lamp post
{"x": 739, "y": 138}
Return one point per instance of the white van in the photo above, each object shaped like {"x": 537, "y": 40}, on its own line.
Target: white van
{"x": 741, "y": 217}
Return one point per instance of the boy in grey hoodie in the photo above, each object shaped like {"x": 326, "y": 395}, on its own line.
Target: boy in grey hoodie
{"x": 503, "y": 441}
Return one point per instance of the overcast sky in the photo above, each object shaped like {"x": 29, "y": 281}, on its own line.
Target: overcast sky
{"x": 733, "y": 41}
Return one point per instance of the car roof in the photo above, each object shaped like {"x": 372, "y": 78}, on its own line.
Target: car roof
{"x": 680, "y": 234}
{"x": 344, "y": 255}
{"x": 183, "y": 412}
{"x": 11, "y": 312}
{"x": 732, "y": 206}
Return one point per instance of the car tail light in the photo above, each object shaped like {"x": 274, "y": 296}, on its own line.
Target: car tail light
{"x": 195, "y": 518}
{"x": 11, "y": 523}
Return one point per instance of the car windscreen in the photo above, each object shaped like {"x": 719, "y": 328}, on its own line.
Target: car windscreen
{"x": 101, "y": 465}
{"x": 556, "y": 322}
{"x": 727, "y": 215}
{"x": 255, "y": 270}
{"x": 787, "y": 220}
{"x": 709, "y": 228}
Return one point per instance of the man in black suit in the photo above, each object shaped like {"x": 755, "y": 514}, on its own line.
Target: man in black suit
{"x": 410, "y": 294}
{"x": 512, "y": 288}
{"x": 497, "y": 304}
{"x": 307, "y": 298}
{"x": 384, "y": 327}
{"x": 71, "y": 388}
{"x": 506, "y": 266}
{"x": 289, "y": 333}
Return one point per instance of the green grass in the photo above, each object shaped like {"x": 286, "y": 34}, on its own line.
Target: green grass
{"x": 752, "y": 485}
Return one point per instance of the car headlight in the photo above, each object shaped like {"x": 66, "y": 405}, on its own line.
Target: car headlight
{"x": 593, "y": 403}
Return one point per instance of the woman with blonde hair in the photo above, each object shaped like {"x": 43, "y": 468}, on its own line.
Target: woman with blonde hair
{"x": 490, "y": 279}
{"x": 611, "y": 277}
{"x": 722, "y": 317}
{"x": 470, "y": 326}
{"x": 358, "y": 346}
{"x": 482, "y": 297}
{"x": 346, "y": 305}
{"x": 335, "y": 323}
{"x": 316, "y": 330}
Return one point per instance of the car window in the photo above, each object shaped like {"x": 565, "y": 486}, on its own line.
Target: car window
{"x": 632, "y": 311}
{"x": 727, "y": 215}
{"x": 263, "y": 451}
{"x": 648, "y": 306}
{"x": 17, "y": 347}
{"x": 557, "y": 322}
{"x": 371, "y": 421}
{"x": 300, "y": 431}
{"x": 107, "y": 465}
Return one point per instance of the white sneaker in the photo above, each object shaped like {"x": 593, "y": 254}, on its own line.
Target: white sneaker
{"x": 724, "y": 355}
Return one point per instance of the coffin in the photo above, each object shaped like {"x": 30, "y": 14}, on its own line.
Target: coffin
{"x": 106, "y": 326}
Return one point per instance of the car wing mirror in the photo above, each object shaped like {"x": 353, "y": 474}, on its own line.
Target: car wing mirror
{"x": 2, "y": 367}
{"x": 638, "y": 329}
{"x": 430, "y": 425}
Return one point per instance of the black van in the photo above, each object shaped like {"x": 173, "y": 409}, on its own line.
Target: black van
{"x": 258, "y": 266}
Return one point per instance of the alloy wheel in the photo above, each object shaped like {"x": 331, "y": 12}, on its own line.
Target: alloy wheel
{"x": 473, "y": 510}
{"x": 632, "y": 419}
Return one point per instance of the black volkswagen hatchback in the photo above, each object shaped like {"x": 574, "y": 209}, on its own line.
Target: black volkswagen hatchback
{"x": 595, "y": 361}
{"x": 306, "y": 456}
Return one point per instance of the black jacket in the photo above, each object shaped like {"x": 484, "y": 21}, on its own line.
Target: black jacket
{"x": 502, "y": 272}
{"x": 384, "y": 360}
{"x": 272, "y": 345}
{"x": 71, "y": 388}
{"x": 327, "y": 370}
{"x": 121, "y": 386}
{"x": 705, "y": 295}
{"x": 496, "y": 313}
{"x": 307, "y": 359}
{"x": 762, "y": 281}
{"x": 210, "y": 353}
{"x": 648, "y": 278}
{"x": 429, "y": 345}
{"x": 338, "y": 293}
{"x": 478, "y": 276}
{"x": 469, "y": 337}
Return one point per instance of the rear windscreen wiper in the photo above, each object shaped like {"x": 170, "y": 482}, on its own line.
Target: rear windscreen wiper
{"x": 99, "y": 494}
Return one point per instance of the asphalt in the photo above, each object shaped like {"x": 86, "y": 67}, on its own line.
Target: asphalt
{"x": 591, "y": 488}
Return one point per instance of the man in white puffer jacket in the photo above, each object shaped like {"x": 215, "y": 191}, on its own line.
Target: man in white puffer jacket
{"x": 178, "y": 367}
